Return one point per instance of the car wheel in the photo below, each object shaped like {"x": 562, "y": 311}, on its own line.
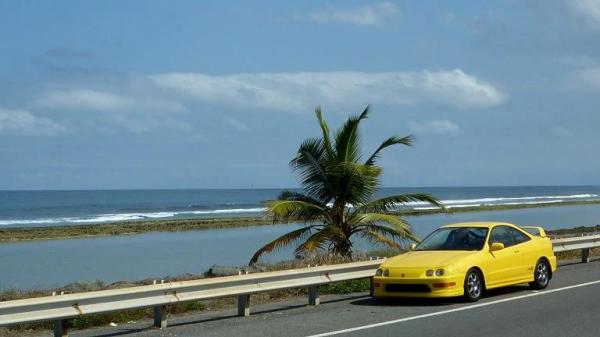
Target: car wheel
{"x": 541, "y": 275}
{"x": 473, "y": 286}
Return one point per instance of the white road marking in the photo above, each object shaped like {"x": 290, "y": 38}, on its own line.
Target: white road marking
{"x": 444, "y": 312}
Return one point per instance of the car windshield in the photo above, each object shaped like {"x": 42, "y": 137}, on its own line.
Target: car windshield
{"x": 457, "y": 238}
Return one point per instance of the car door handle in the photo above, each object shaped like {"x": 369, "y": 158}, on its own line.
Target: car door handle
{"x": 516, "y": 251}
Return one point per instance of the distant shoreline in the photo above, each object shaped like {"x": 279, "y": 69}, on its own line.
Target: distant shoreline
{"x": 146, "y": 226}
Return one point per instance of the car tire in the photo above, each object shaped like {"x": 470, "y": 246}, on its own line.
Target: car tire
{"x": 473, "y": 285}
{"x": 541, "y": 275}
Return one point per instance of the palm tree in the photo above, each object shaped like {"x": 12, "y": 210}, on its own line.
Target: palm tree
{"x": 336, "y": 202}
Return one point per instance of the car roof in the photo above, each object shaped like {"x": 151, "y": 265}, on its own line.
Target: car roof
{"x": 486, "y": 224}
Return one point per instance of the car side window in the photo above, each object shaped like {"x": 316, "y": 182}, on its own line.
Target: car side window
{"x": 518, "y": 236}
{"x": 503, "y": 235}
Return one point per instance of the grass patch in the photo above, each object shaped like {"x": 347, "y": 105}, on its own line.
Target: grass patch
{"x": 576, "y": 254}
{"x": 346, "y": 287}
{"x": 581, "y": 230}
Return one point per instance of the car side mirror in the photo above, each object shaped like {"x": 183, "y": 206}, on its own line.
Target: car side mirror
{"x": 496, "y": 246}
{"x": 412, "y": 246}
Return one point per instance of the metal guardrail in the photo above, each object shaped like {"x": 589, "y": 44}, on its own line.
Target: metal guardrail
{"x": 60, "y": 308}
{"x": 585, "y": 243}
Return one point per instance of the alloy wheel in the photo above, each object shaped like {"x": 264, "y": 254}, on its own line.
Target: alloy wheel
{"x": 474, "y": 285}
{"x": 542, "y": 274}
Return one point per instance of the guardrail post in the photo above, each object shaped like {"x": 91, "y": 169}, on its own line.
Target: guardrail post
{"x": 243, "y": 303}
{"x": 313, "y": 296}
{"x": 61, "y": 328}
{"x": 585, "y": 255}
{"x": 160, "y": 316}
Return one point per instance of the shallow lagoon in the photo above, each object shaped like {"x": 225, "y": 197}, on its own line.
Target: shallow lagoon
{"x": 45, "y": 264}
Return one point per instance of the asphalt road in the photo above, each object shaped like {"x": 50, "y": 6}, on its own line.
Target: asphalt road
{"x": 570, "y": 306}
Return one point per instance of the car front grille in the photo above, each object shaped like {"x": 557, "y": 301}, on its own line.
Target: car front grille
{"x": 407, "y": 288}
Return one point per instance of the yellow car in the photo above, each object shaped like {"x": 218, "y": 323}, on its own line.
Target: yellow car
{"x": 466, "y": 259}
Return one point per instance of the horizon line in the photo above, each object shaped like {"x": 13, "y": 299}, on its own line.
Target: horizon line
{"x": 270, "y": 188}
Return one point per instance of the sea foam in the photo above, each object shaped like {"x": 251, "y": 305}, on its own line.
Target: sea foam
{"x": 416, "y": 205}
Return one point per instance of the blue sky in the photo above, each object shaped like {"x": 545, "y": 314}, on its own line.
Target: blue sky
{"x": 219, "y": 94}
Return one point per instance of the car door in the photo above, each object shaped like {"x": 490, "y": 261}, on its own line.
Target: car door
{"x": 501, "y": 263}
{"x": 524, "y": 255}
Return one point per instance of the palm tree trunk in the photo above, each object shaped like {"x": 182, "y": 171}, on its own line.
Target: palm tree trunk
{"x": 343, "y": 245}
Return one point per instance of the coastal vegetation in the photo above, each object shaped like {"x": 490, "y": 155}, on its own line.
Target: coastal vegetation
{"x": 336, "y": 201}
{"x": 125, "y": 228}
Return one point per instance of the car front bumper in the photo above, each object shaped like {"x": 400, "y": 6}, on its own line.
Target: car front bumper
{"x": 448, "y": 286}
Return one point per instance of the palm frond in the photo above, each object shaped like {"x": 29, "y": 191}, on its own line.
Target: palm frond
{"x": 325, "y": 131}
{"x": 288, "y": 239}
{"x": 357, "y": 182}
{"x": 397, "y": 235}
{"x": 305, "y": 210}
{"x": 391, "y": 203}
{"x": 347, "y": 140}
{"x": 293, "y": 195}
{"x": 358, "y": 219}
{"x": 309, "y": 164}
{"x": 366, "y": 221}
{"x": 319, "y": 239}
{"x": 387, "y": 143}
{"x": 377, "y": 238}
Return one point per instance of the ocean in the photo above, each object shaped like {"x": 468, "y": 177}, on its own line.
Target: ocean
{"x": 51, "y": 208}
{"x": 55, "y": 263}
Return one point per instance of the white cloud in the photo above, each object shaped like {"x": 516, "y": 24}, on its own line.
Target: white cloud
{"x": 588, "y": 78}
{"x": 435, "y": 127}
{"x": 87, "y": 99}
{"x": 304, "y": 90}
{"x": 143, "y": 104}
{"x": 235, "y": 123}
{"x": 83, "y": 99}
{"x": 587, "y": 8}
{"x": 137, "y": 111}
{"x": 369, "y": 15}
{"x": 22, "y": 122}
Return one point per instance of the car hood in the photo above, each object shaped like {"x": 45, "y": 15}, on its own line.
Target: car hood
{"x": 427, "y": 258}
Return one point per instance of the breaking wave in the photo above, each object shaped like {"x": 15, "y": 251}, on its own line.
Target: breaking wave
{"x": 129, "y": 216}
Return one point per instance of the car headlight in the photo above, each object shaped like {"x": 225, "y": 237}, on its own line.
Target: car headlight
{"x": 379, "y": 272}
{"x": 439, "y": 272}
{"x": 429, "y": 272}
